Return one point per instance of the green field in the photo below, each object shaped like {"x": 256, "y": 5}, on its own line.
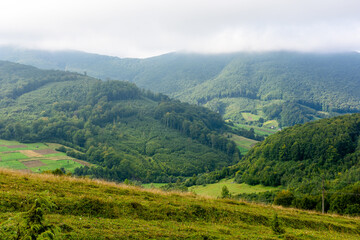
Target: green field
{"x": 263, "y": 131}
{"x": 153, "y": 185}
{"x": 271, "y": 123}
{"x": 244, "y": 144}
{"x": 214, "y": 190}
{"x": 243, "y": 150}
{"x": 34, "y": 157}
{"x": 250, "y": 117}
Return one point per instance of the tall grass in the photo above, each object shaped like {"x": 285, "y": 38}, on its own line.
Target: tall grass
{"x": 95, "y": 209}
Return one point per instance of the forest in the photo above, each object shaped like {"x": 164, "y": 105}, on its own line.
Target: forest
{"x": 127, "y": 132}
{"x": 132, "y": 133}
{"x": 270, "y": 83}
{"x": 307, "y": 159}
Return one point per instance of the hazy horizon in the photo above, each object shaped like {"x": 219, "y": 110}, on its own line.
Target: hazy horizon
{"x": 141, "y": 28}
{"x": 22, "y": 48}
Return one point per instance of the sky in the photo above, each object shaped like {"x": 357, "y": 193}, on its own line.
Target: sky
{"x": 144, "y": 28}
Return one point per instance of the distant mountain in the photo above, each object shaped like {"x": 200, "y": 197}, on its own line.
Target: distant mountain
{"x": 130, "y": 133}
{"x": 287, "y": 87}
{"x": 169, "y": 73}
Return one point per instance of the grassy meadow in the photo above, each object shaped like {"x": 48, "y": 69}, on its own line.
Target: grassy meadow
{"x": 263, "y": 131}
{"x": 34, "y": 157}
{"x": 153, "y": 185}
{"x": 244, "y": 144}
{"x": 90, "y": 209}
{"x": 214, "y": 190}
{"x": 250, "y": 117}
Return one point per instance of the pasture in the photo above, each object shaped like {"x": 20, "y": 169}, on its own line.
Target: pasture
{"x": 263, "y": 131}
{"x": 35, "y": 157}
{"x": 214, "y": 190}
{"x": 244, "y": 144}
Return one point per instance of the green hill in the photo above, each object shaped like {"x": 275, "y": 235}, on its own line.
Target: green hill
{"x": 288, "y": 87}
{"x": 308, "y": 159}
{"x": 58, "y": 207}
{"x": 328, "y": 146}
{"x": 129, "y": 132}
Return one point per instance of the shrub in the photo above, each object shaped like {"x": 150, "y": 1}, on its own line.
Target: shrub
{"x": 352, "y": 209}
{"x": 284, "y": 198}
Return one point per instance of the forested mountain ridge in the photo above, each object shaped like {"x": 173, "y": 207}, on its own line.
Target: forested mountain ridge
{"x": 288, "y": 87}
{"x": 168, "y": 73}
{"x": 317, "y": 162}
{"x": 314, "y": 83}
{"x": 128, "y": 132}
{"x": 299, "y": 156}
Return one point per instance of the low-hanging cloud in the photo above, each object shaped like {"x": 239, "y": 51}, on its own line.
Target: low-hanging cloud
{"x": 140, "y": 28}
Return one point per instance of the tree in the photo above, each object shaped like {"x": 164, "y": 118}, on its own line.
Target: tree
{"x": 225, "y": 192}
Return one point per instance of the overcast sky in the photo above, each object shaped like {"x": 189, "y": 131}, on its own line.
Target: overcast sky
{"x": 142, "y": 28}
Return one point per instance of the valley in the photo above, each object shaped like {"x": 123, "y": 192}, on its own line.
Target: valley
{"x": 288, "y": 87}
{"x": 208, "y": 158}
{"x": 126, "y": 132}
{"x": 169, "y": 120}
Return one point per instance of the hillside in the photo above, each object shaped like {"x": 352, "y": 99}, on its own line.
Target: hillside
{"x": 69, "y": 208}
{"x": 328, "y": 147}
{"x": 130, "y": 133}
{"x": 167, "y": 73}
{"x": 287, "y": 87}
{"x": 309, "y": 159}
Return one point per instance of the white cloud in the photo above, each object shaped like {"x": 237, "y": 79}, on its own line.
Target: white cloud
{"x": 140, "y": 28}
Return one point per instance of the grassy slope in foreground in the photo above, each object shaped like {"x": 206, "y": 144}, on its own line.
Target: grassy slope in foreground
{"x": 35, "y": 157}
{"x": 87, "y": 209}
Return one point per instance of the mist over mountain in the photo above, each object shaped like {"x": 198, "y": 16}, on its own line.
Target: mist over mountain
{"x": 288, "y": 87}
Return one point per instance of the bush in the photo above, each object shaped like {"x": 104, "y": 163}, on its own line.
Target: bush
{"x": 352, "y": 209}
{"x": 307, "y": 202}
{"x": 284, "y": 198}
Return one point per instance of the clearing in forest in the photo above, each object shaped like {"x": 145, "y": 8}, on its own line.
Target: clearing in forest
{"x": 35, "y": 157}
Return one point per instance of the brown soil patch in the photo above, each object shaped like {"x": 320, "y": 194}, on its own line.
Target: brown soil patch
{"x": 45, "y": 151}
{"x": 33, "y": 163}
{"x": 17, "y": 146}
{"x": 30, "y": 153}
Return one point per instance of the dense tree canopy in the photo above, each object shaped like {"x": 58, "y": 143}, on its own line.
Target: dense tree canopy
{"x": 314, "y": 84}
{"x": 296, "y": 156}
{"x": 127, "y": 132}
